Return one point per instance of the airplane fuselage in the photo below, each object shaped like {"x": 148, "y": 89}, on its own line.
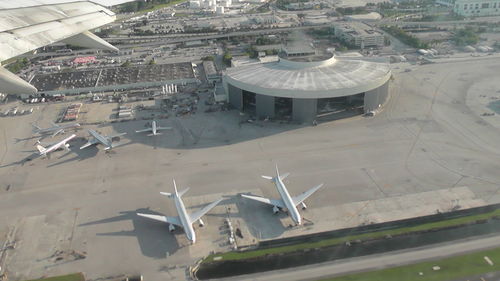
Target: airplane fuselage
{"x": 187, "y": 224}
{"x": 57, "y": 145}
{"x": 153, "y": 127}
{"x": 287, "y": 199}
{"x": 100, "y": 138}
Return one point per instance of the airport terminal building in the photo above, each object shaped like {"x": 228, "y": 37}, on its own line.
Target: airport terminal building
{"x": 309, "y": 88}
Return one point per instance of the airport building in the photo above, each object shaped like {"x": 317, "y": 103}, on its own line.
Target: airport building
{"x": 304, "y": 89}
{"x": 359, "y": 34}
{"x": 469, "y": 8}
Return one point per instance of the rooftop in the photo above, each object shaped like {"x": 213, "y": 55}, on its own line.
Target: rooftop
{"x": 317, "y": 79}
{"x": 357, "y": 28}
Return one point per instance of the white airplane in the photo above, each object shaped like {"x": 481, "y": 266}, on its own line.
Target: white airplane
{"x": 62, "y": 144}
{"x": 107, "y": 141}
{"x": 287, "y": 202}
{"x": 154, "y": 128}
{"x": 55, "y": 129}
{"x": 184, "y": 219}
{"x": 27, "y": 25}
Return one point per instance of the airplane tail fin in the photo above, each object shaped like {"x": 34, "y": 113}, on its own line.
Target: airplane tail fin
{"x": 175, "y": 188}
{"x": 114, "y": 146}
{"x": 40, "y": 148}
{"x": 281, "y": 177}
{"x": 168, "y": 194}
{"x": 150, "y": 135}
{"x": 183, "y": 191}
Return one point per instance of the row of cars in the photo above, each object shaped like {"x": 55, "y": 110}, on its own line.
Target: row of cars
{"x": 56, "y": 97}
{"x": 16, "y": 111}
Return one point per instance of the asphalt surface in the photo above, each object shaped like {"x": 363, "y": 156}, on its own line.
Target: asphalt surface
{"x": 428, "y": 149}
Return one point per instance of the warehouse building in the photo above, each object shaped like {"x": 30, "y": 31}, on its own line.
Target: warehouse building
{"x": 305, "y": 89}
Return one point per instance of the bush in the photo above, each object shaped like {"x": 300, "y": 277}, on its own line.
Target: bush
{"x": 466, "y": 36}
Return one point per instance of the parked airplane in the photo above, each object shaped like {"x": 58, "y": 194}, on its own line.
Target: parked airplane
{"x": 154, "y": 128}
{"x": 55, "y": 129}
{"x": 184, "y": 219}
{"x": 107, "y": 141}
{"x": 62, "y": 144}
{"x": 288, "y": 202}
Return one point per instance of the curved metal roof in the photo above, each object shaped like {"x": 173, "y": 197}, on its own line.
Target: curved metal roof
{"x": 329, "y": 78}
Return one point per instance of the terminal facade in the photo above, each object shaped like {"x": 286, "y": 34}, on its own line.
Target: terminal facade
{"x": 305, "y": 89}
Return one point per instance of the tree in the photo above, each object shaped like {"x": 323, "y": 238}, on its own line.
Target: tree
{"x": 226, "y": 59}
{"x": 125, "y": 64}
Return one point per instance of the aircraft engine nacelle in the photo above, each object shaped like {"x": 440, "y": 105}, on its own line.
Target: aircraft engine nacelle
{"x": 171, "y": 227}
{"x": 67, "y": 145}
{"x": 201, "y": 223}
{"x": 275, "y": 209}
{"x": 304, "y": 206}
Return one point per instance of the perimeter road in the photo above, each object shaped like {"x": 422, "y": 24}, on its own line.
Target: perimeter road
{"x": 376, "y": 262}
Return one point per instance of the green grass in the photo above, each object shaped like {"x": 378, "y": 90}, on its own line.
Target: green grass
{"x": 340, "y": 240}
{"x": 451, "y": 268}
{"x": 69, "y": 277}
{"x": 160, "y": 6}
{"x": 179, "y": 15}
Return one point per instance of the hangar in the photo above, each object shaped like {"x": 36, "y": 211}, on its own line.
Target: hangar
{"x": 307, "y": 88}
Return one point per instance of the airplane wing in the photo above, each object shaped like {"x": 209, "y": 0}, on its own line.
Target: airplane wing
{"x": 116, "y": 135}
{"x": 89, "y": 143}
{"x": 277, "y": 203}
{"x": 304, "y": 195}
{"x": 170, "y": 220}
{"x": 198, "y": 214}
{"x": 27, "y": 25}
{"x": 144, "y": 130}
{"x": 163, "y": 128}
{"x": 57, "y": 132}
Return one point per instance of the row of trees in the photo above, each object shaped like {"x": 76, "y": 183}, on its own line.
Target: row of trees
{"x": 19, "y": 64}
{"x": 405, "y": 37}
{"x": 135, "y": 6}
{"x": 467, "y": 36}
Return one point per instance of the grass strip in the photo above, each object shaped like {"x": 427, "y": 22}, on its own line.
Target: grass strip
{"x": 69, "y": 277}
{"x": 160, "y": 6}
{"x": 339, "y": 240}
{"x": 450, "y": 268}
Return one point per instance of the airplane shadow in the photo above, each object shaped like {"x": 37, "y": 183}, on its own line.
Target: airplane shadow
{"x": 17, "y": 140}
{"x": 153, "y": 237}
{"x": 202, "y": 131}
{"x": 81, "y": 154}
{"x": 23, "y": 161}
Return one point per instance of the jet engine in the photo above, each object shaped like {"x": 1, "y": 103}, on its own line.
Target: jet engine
{"x": 201, "y": 223}
{"x": 275, "y": 209}
{"x": 171, "y": 227}
{"x": 304, "y": 206}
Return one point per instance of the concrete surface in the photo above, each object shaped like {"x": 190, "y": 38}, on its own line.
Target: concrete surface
{"x": 428, "y": 143}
